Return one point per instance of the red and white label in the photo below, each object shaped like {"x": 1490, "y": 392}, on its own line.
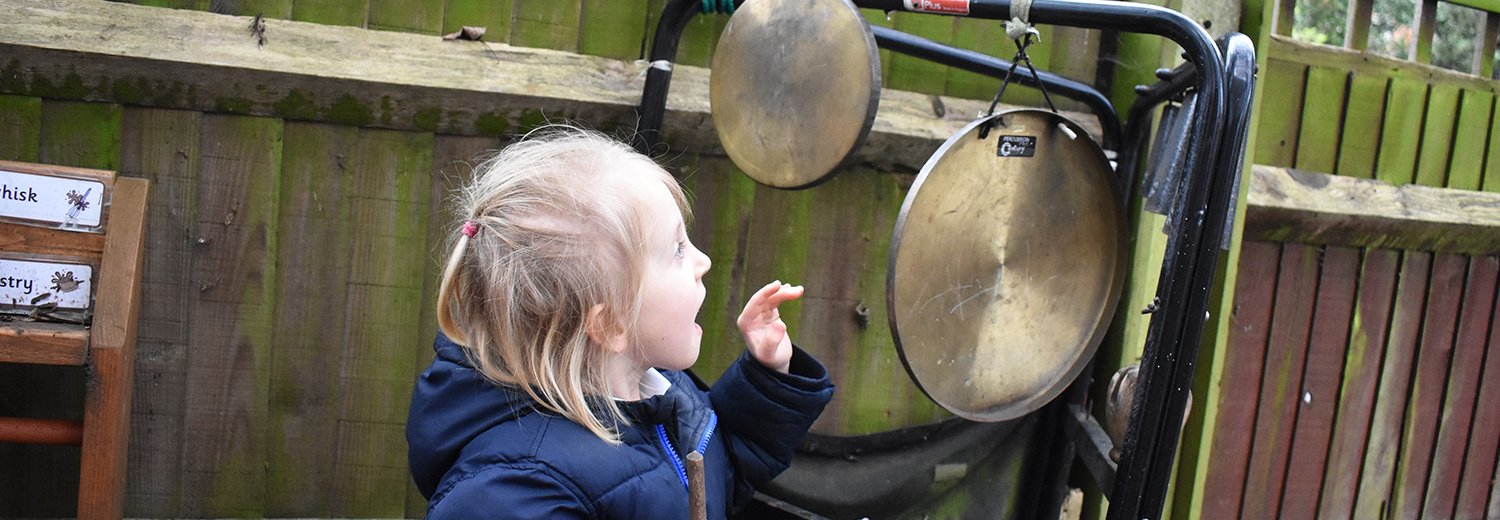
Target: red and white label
{"x": 958, "y": 7}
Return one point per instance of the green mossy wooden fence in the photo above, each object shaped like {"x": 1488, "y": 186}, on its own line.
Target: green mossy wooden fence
{"x": 289, "y": 281}
{"x": 1349, "y": 383}
{"x": 288, "y": 296}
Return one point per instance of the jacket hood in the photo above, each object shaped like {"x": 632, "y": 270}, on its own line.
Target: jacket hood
{"x": 450, "y": 406}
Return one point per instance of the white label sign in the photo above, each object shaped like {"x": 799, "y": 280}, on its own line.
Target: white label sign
{"x": 68, "y": 285}
{"x": 61, "y": 200}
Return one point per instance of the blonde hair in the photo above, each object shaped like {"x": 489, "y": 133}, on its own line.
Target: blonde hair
{"x": 555, "y": 236}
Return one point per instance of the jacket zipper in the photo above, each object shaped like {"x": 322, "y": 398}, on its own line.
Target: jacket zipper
{"x": 661, "y": 434}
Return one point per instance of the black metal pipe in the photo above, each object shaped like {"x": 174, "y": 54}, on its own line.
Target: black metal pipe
{"x": 1173, "y": 351}
{"x": 980, "y": 63}
{"x": 674, "y": 18}
{"x": 1189, "y": 268}
{"x": 1187, "y": 272}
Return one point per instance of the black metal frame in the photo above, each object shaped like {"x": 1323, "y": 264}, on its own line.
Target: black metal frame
{"x": 1224, "y": 81}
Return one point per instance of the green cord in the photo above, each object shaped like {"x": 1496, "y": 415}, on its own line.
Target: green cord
{"x": 718, "y": 6}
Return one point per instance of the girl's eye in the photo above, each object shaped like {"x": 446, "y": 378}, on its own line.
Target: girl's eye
{"x": 681, "y": 248}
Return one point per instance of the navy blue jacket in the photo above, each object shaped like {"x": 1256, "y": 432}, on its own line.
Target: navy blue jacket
{"x": 478, "y": 450}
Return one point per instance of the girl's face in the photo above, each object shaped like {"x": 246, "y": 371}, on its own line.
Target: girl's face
{"x": 672, "y": 289}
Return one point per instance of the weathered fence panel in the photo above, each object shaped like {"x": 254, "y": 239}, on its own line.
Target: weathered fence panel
{"x": 1401, "y": 442}
{"x": 291, "y": 272}
{"x": 294, "y": 248}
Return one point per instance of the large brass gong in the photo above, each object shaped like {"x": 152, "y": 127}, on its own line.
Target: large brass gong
{"x": 794, "y": 88}
{"x": 1006, "y": 265}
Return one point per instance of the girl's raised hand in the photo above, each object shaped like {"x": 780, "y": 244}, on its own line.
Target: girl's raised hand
{"x": 765, "y": 334}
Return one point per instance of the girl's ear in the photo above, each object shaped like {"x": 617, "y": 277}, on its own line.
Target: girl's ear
{"x": 598, "y": 330}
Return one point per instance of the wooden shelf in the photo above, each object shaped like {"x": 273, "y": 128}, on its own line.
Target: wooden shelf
{"x": 44, "y": 343}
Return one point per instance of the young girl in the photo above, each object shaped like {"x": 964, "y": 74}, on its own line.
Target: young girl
{"x": 567, "y": 312}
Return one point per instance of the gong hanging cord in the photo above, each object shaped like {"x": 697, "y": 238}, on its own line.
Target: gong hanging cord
{"x": 1024, "y": 34}
{"x": 720, "y": 6}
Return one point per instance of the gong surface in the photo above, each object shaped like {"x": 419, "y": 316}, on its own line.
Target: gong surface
{"x": 1006, "y": 265}
{"x": 794, "y": 88}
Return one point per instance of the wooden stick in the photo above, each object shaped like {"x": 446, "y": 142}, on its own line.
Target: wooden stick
{"x": 697, "y": 506}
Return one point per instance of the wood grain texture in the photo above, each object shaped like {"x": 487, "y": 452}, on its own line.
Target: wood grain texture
{"x": 1283, "y": 16}
{"x": 312, "y": 260}
{"x": 723, "y": 198}
{"x": 1425, "y": 405}
{"x": 841, "y": 207}
{"x": 70, "y": 134}
{"x": 1254, "y": 298}
{"x": 1367, "y": 343}
{"x": 162, "y": 146}
{"x": 1424, "y": 24}
{"x": 197, "y": 5}
{"x": 1276, "y": 140}
{"x": 233, "y": 312}
{"x": 700, "y": 38}
{"x": 1075, "y": 53}
{"x": 1474, "y": 490}
{"x": 1357, "y": 24}
{"x": 453, "y": 161}
{"x": 1381, "y": 450}
{"x": 387, "y": 231}
{"x": 914, "y": 74}
{"x": 1491, "y": 182}
{"x": 1322, "y": 119}
{"x": 846, "y": 257}
{"x": 273, "y": 9}
{"x": 777, "y": 248}
{"x": 1318, "y": 394}
{"x": 1402, "y": 131}
{"x": 413, "y": 16}
{"x": 1468, "y": 358}
{"x": 106, "y": 426}
{"x": 1483, "y": 64}
{"x": 980, "y": 36}
{"x": 1309, "y": 207}
{"x": 1466, "y": 168}
{"x": 1366, "y": 63}
{"x": 614, "y": 29}
{"x": 41, "y": 343}
{"x": 1437, "y": 135}
{"x": 545, "y": 24}
{"x": 347, "y": 75}
{"x": 1143, "y": 54}
{"x": 1366, "y": 106}
{"x": 39, "y": 240}
{"x": 20, "y": 127}
{"x": 1286, "y": 354}
{"x": 353, "y": 13}
{"x": 875, "y": 354}
{"x": 86, "y": 135}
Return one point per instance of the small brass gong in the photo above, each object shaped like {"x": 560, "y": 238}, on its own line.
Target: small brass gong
{"x": 1006, "y": 264}
{"x": 794, "y": 88}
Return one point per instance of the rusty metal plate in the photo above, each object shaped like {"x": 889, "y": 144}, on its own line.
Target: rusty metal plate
{"x": 1006, "y": 265}
{"x": 794, "y": 88}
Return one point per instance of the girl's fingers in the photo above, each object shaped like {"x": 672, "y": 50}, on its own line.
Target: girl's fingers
{"x": 787, "y": 293}
{"x": 770, "y": 296}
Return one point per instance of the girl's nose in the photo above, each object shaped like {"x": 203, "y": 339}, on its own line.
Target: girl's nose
{"x": 703, "y": 262}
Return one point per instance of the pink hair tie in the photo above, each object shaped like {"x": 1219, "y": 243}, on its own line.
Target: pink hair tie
{"x": 470, "y": 228}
